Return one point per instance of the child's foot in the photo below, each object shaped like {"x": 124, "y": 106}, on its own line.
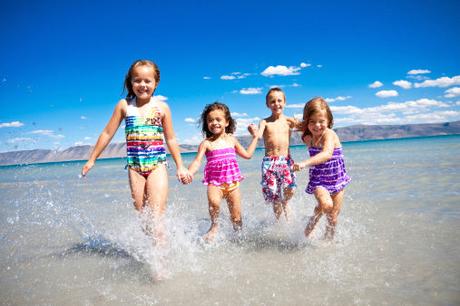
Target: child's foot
{"x": 211, "y": 234}
{"x": 308, "y": 231}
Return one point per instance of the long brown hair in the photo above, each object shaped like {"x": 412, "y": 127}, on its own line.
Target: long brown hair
{"x": 315, "y": 105}
{"x": 230, "y": 129}
{"x": 142, "y": 62}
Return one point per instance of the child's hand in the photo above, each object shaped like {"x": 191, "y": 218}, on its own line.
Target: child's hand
{"x": 298, "y": 166}
{"x": 252, "y": 128}
{"x": 89, "y": 164}
{"x": 184, "y": 176}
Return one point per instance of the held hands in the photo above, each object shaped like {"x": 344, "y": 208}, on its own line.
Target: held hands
{"x": 252, "y": 128}
{"x": 184, "y": 176}
{"x": 299, "y": 166}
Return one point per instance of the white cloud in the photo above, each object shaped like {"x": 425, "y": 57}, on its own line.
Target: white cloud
{"x": 11, "y": 124}
{"x": 238, "y": 115}
{"x": 418, "y": 71}
{"x": 339, "y": 98}
{"x": 387, "y": 93}
{"x": 83, "y": 117}
{"x": 296, "y": 105}
{"x": 206, "y": 78}
{"x": 295, "y": 85}
{"x": 234, "y": 76}
{"x": 242, "y": 125}
{"x": 80, "y": 143}
{"x": 19, "y": 140}
{"x": 160, "y": 98}
{"x": 439, "y": 116}
{"x": 228, "y": 77}
{"x": 452, "y": 92}
{"x": 319, "y": 66}
{"x": 194, "y": 140}
{"x": 304, "y": 65}
{"x": 280, "y": 70}
{"x": 376, "y": 84}
{"x": 251, "y": 91}
{"x": 440, "y": 82}
{"x": 403, "y": 84}
{"x": 48, "y": 133}
{"x": 190, "y": 120}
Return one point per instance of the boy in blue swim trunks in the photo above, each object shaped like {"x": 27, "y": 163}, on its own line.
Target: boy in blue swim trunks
{"x": 278, "y": 178}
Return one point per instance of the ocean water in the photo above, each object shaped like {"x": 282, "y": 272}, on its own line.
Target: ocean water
{"x": 71, "y": 241}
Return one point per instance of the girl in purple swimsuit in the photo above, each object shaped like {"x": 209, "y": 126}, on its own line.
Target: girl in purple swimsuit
{"x": 328, "y": 176}
{"x": 221, "y": 173}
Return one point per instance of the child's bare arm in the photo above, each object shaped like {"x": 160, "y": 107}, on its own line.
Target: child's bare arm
{"x": 182, "y": 173}
{"x": 106, "y": 136}
{"x": 262, "y": 126}
{"x": 195, "y": 165}
{"x": 246, "y": 153}
{"x": 323, "y": 156}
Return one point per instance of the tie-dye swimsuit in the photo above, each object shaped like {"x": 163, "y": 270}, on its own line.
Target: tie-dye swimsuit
{"x": 144, "y": 138}
{"x": 331, "y": 175}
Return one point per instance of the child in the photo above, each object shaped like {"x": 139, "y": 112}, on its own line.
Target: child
{"x": 328, "y": 176}
{"x": 278, "y": 178}
{"x": 221, "y": 173}
{"x": 148, "y": 121}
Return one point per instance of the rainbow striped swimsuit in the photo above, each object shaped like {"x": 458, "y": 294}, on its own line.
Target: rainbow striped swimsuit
{"x": 144, "y": 139}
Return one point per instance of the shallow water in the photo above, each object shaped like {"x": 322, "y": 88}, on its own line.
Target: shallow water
{"x": 71, "y": 241}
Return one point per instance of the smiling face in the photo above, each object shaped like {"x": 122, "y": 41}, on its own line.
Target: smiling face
{"x": 216, "y": 122}
{"x": 143, "y": 82}
{"x": 276, "y": 102}
{"x": 318, "y": 123}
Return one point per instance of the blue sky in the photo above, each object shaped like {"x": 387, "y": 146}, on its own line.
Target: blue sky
{"x": 62, "y": 63}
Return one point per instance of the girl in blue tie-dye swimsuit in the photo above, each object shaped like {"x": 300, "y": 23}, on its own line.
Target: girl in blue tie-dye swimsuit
{"x": 148, "y": 124}
{"x": 328, "y": 176}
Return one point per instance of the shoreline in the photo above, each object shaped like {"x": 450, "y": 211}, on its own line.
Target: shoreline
{"x": 193, "y": 152}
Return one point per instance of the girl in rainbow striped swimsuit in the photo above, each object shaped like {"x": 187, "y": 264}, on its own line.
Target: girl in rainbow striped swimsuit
{"x": 222, "y": 174}
{"x": 148, "y": 122}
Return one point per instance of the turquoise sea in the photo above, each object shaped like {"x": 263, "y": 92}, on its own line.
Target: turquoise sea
{"x": 71, "y": 241}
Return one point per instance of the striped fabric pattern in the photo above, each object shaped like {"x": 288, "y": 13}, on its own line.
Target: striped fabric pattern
{"x": 331, "y": 175}
{"x": 221, "y": 167}
{"x": 144, "y": 140}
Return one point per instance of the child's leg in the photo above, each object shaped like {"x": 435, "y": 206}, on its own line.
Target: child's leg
{"x": 234, "y": 207}
{"x": 325, "y": 205}
{"x": 288, "y": 192}
{"x": 137, "y": 184}
{"x": 156, "y": 195}
{"x": 337, "y": 199}
{"x": 214, "y": 197}
{"x": 277, "y": 209}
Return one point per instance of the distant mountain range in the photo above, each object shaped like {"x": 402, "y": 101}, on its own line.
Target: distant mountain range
{"x": 350, "y": 133}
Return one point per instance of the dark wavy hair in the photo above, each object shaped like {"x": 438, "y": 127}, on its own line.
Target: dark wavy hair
{"x": 230, "y": 129}
{"x": 312, "y": 107}
{"x": 142, "y": 62}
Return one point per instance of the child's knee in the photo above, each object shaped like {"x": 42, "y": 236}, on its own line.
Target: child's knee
{"x": 327, "y": 205}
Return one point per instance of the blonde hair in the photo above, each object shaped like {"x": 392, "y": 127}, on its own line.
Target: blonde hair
{"x": 316, "y": 105}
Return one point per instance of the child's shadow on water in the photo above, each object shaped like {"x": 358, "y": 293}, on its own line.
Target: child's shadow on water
{"x": 98, "y": 246}
{"x": 263, "y": 242}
